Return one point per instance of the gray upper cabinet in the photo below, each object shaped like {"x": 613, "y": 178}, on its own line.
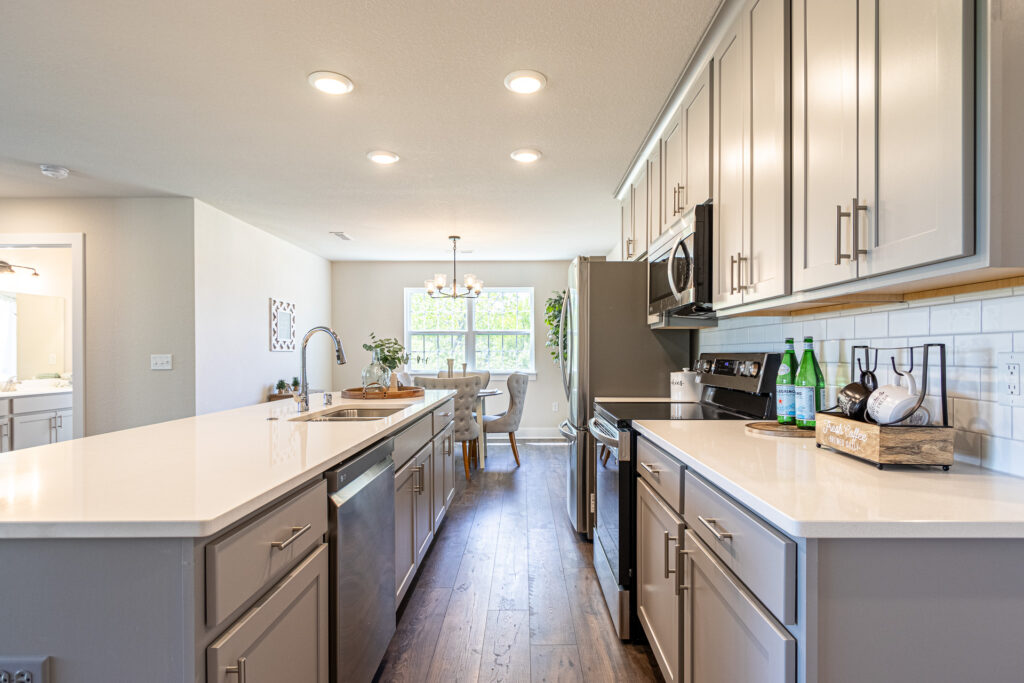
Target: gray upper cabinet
{"x": 882, "y": 155}
{"x": 283, "y": 637}
{"x": 686, "y": 154}
{"x": 626, "y": 209}
{"x": 752, "y": 156}
{"x": 673, "y": 146}
{"x": 654, "y": 210}
{"x": 731, "y": 636}
{"x": 641, "y": 212}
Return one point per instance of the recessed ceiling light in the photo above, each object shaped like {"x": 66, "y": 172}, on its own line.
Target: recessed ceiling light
{"x": 526, "y": 156}
{"x": 330, "y": 82}
{"x": 53, "y": 171}
{"x": 525, "y": 82}
{"x": 380, "y": 156}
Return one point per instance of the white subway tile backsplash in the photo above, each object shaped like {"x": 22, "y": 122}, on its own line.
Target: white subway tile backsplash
{"x": 871, "y": 325}
{"x": 909, "y": 322}
{"x": 967, "y": 447}
{"x": 979, "y": 350}
{"x": 816, "y": 329}
{"x": 1018, "y": 424}
{"x": 840, "y": 328}
{"x": 956, "y": 318}
{"x": 1003, "y": 455}
{"x": 1002, "y": 315}
{"x": 984, "y": 417}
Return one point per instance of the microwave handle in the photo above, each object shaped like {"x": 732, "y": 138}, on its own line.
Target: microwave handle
{"x": 677, "y": 292}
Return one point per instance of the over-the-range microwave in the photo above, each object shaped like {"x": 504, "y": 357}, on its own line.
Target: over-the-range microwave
{"x": 679, "y": 273}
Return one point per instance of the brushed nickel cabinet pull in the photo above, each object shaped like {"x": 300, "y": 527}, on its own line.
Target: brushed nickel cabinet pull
{"x": 650, "y": 470}
{"x": 675, "y": 200}
{"x": 732, "y": 267}
{"x": 238, "y": 669}
{"x": 680, "y": 204}
{"x": 740, "y": 260}
{"x": 296, "y": 532}
{"x": 712, "y": 526}
{"x": 855, "y": 209}
{"x": 681, "y": 558}
{"x": 840, "y": 215}
{"x": 667, "y": 539}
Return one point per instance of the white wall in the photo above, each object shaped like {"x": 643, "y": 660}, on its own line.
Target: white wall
{"x": 369, "y": 297}
{"x": 974, "y": 327}
{"x": 54, "y": 266}
{"x": 238, "y": 268}
{"x": 139, "y": 300}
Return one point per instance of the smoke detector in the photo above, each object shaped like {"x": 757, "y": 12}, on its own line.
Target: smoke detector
{"x": 53, "y": 171}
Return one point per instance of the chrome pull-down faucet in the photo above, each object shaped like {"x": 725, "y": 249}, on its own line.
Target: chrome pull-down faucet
{"x": 339, "y": 353}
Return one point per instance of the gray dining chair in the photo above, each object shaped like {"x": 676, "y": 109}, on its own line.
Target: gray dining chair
{"x": 508, "y": 422}
{"x": 466, "y": 429}
{"x": 484, "y": 374}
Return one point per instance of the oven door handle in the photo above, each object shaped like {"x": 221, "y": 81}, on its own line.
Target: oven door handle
{"x": 599, "y": 433}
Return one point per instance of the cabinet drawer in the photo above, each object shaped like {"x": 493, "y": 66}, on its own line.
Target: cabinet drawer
{"x": 240, "y": 564}
{"x": 443, "y": 414}
{"x": 409, "y": 442}
{"x": 663, "y": 472}
{"x": 31, "y": 404}
{"x": 5, "y": 407}
{"x": 763, "y": 558}
{"x": 284, "y": 637}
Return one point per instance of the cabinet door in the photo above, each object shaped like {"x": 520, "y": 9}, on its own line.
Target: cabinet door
{"x": 627, "y": 225}
{"x": 659, "y": 534}
{"x": 35, "y": 429}
{"x": 64, "y": 426}
{"x": 641, "y": 213}
{"x": 654, "y": 219}
{"x": 673, "y": 146}
{"x": 696, "y": 123}
{"x": 449, "y": 468}
{"x": 5, "y": 434}
{"x": 824, "y": 141}
{"x": 439, "y": 463}
{"x": 766, "y": 250}
{"x": 405, "y": 525}
{"x": 916, "y": 173}
{"x": 731, "y": 636}
{"x": 729, "y": 106}
{"x": 284, "y": 637}
{"x": 423, "y": 476}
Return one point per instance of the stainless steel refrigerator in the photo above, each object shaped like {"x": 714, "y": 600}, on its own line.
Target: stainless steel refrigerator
{"x": 609, "y": 350}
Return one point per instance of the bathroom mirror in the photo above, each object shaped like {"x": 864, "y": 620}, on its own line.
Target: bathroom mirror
{"x": 33, "y": 343}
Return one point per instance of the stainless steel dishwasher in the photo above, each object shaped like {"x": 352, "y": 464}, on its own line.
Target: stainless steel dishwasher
{"x": 361, "y": 495}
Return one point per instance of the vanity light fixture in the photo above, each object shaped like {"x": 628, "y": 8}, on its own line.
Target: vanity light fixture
{"x": 438, "y": 287}
{"x": 381, "y": 156}
{"x": 8, "y": 269}
{"x": 525, "y": 82}
{"x": 54, "y": 171}
{"x": 526, "y": 155}
{"x": 331, "y": 83}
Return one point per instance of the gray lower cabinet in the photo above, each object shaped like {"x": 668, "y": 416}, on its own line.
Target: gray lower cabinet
{"x": 659, "y": 605}
{"x": 730, "y": 636}
{"x": 424, "y": 519}
{"x": 405, "y": 529}
{"x": 449, "y": 468}
{"x": 34, "y": 429}
{"x": 441, "y": 487}
{"x": 5, "y": 434}
{"x": 283, "y": 637}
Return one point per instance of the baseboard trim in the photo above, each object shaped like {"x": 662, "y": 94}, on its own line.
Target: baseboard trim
{"x": 529, "y": 434}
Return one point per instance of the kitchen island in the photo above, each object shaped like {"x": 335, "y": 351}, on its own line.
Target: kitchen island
{"x": 801, "y": 564}
{"x": 125, "y": 556}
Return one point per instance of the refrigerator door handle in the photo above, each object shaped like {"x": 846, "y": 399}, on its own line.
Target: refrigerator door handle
{"x": 566, "y": 430}
{"x": 563, "y": 341}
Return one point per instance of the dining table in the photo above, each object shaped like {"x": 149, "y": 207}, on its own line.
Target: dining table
{"x": 481, "y": 399}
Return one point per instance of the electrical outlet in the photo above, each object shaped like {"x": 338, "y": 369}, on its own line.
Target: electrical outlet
{"x": 160, "y": 361}
{"x": 1010, "y": 381}
{"x": 554, "y": 407}
{"x": 31, "y": 669}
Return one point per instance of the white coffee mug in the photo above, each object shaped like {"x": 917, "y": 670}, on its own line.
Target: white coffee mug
{"x": 893, "y": 402}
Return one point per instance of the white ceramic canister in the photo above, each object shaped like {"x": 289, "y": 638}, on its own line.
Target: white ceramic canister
{"x": 684, "y": 386}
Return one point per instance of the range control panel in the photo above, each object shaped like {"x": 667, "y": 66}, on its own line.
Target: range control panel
{"x": 750, "y": 372}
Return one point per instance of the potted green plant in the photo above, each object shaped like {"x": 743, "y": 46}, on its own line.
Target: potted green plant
{"x": 282, "y": 386}
{"x": 295, "y": 383}
{"x": 388, "y": 355}
{"x": 553, "y": 319}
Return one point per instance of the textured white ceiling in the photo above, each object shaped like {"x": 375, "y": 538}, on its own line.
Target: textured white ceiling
{"x": 210, "y": 99}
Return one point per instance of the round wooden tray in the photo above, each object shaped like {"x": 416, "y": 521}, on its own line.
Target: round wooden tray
{"x": 401, "y": 392}
{"x": 780, "y": 430}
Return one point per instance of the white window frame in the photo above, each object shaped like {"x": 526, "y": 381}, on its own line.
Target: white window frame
{"x": 470, "y": 333}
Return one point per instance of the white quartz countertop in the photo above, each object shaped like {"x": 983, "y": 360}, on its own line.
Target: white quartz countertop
{"x": 815, "y": 493}
{"x": 185, "y": 478}
{"x": 37, "y": 391}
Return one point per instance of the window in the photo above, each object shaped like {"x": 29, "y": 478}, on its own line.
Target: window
{"x": 493, "y": 332}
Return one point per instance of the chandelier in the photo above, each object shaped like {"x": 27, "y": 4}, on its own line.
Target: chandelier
{"x": 439, "y": 288}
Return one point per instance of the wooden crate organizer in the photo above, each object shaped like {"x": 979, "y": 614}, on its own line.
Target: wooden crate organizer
{"x": 890, "y": 445}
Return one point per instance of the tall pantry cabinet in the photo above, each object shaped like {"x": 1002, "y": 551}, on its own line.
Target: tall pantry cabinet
{"x": 882, "y": 155}
{"x": 751, "y": 131}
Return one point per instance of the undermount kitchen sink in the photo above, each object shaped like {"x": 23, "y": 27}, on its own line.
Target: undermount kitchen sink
{"x": 350, "y": 415}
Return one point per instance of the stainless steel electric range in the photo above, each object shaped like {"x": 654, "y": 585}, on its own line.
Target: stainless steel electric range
{"x": 735, "y": 386}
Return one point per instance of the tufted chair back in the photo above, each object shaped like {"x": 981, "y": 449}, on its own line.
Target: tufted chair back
{"x": 510, "y": 419}
{"x": 466, "y": 428}
{"x": 484, "y": 375}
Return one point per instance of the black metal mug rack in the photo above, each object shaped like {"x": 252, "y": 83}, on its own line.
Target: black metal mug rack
{"x": 870, "y": 363}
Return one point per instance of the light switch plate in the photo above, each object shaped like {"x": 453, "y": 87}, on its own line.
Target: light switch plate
{"x": 35, "y": 669}
{"x": 1010, "y": 383}
{"x": 160, "y": 361}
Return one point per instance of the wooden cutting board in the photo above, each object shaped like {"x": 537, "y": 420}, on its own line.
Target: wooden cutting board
{"x": 779, "y": 430}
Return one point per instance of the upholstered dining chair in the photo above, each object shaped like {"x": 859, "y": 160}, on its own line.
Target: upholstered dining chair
{"x": 508, "y": 422}
{"x": 466, "y": 428}
{"x": 484, "y": 375}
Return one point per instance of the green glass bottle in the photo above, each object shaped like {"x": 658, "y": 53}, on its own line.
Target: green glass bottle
{"x": 810, "y": 387}
{"x": 785, "y": 386}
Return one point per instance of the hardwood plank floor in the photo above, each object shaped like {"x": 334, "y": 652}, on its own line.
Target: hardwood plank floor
{"x": 508, "y": 592}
